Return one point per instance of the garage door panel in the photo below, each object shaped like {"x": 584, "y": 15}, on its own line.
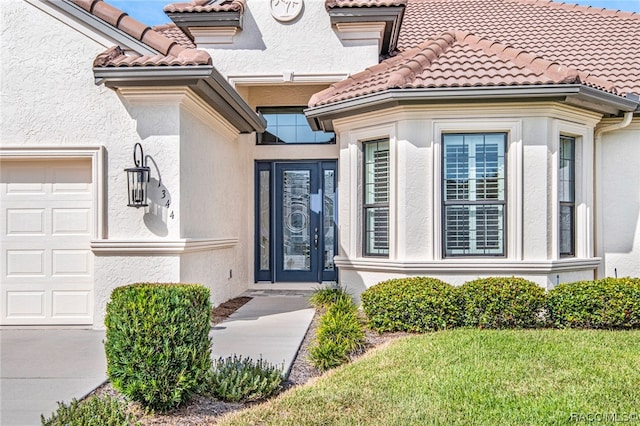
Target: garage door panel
{"x": 25, "y": 221}
{"x": 71, "y": 304}
{"x": 26, "y": 304}
{"x": 46, "y": 224}
{"x": 22, "y": 179}
{"x": 71, "y": 262}
{"x": 26, "y": 262}
{"x": 71, "y": 221}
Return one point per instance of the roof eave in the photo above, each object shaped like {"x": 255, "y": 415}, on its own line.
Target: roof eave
{"x": 390, "y": 15}
{"x": 204, "y": 80}
{"x": 120, "y": 37}
{"x": 207, "y": 19}
{"x": 321, "y": 117}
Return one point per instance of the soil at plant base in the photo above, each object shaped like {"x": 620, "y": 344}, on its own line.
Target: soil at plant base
{"x": 222, "y": 312}
{"x": 203, "y": 410}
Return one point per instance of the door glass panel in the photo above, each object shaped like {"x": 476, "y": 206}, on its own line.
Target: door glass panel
{"x": 265, "y": 220}
{"x": 296, "y": 187}
{"x": 328, "y": 219}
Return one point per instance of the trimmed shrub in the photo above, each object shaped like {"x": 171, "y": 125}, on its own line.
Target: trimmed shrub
{"x": 157, "y": 342}
{"x": 339, "y": 335}
{"x": 415, "y": 304}
{"x": 611, "y": 303}
{"x": 97, "y": 411}
{"x": 325, "y": 296}
{"x": 502, "y": 303}
{"x": 235, "y": 379}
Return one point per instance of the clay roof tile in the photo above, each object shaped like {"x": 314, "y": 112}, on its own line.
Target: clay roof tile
{"x": 603, "y": 43}
{"x": 202, "y": 6}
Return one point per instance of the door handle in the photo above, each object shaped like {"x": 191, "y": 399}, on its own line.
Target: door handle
{"x": 315, "y": 237}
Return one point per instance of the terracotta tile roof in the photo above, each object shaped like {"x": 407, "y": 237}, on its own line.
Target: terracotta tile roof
{"x": 457, "y": 59}
{"x": 602, "y": 42}
{"x": 116, "y": 57}
{"x": 206, "y": 6}
{"x": 331, "y": 4}
{"x": 175, "y": 33}
{"x": 171, "y": 52}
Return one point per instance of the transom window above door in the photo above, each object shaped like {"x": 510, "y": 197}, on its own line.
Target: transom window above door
{"x": 288, "y": 125}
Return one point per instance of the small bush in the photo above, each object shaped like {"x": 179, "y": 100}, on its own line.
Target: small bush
{"x": 324, "y": 297}
{"x": 339, "y": 335}
{"x": 415, "y": 304}
{"x": 157, "y": 342}
{"x": 94, "y": 411}
{"x": 235, "y": 379}
{"x": 502, "y": 303}
{"x": 612, "y": 303}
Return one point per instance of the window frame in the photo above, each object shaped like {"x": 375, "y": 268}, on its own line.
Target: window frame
{"x": 287, "y": 109}
{"x": 366, "y": 206}
{"x": 503, "y": 202}
{"x": 572, "y": 203}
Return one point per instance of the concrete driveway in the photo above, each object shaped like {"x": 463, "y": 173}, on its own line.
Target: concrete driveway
{"x": 40, "y": 367}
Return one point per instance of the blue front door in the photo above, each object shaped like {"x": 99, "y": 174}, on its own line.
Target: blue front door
{"x": 300, "y": 242}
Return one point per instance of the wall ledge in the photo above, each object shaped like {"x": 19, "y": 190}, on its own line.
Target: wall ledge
{"x": 159, "y": 247}
{"x": 455, "y": 266}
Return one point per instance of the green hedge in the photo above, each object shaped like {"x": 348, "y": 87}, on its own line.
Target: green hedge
{"x": 339, "y": 335}
{"x": 606, "y": 303}
{"x": 157, "y": 342}
{"x": 415, "y": 304}
{"x": 499, "y": 302}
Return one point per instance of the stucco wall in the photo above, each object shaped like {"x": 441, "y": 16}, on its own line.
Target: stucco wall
{"x": 306, "y": 45}
{"x": 49, "y": 99}
{"x": 215, "y": 203}
{"x": 618, "y": 201}
{"x": 415, "y": 240}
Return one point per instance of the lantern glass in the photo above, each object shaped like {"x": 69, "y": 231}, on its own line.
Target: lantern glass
{"x": 137, "y": 180}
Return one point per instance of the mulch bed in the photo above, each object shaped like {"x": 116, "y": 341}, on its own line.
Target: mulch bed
{"x": 223, "y": 311}
{"x": 202, "y": 410}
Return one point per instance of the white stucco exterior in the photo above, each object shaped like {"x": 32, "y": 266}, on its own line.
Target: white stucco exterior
{"x": 200, "y": 223}
{"x": 618, "y": 200}
{"x": 415, "y": 236}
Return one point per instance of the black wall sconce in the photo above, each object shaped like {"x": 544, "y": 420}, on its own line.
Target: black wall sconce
{"x": 137, "y": 179}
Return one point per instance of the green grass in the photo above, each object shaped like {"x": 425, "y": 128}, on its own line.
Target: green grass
{"x": 471, "y": 377}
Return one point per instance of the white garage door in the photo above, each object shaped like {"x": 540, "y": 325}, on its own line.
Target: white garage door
{"x": 46, "y": 216}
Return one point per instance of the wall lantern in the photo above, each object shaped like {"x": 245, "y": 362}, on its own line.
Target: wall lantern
{"x": 137, "y": 179}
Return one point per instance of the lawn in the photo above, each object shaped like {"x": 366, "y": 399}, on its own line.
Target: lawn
{"x": 465, "y": 377}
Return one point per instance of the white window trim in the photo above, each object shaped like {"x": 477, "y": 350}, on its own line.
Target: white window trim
{"x": 95, "y": 153}
{"x": 583, "y": 188}
{"x": 355, "y": 163}
{"x": 513, "y": 154}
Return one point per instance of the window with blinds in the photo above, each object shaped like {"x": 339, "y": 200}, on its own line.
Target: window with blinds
{"x": 376, "y": 198}
{"x": 566, "y": 194}
{"x": 474, "y": 194}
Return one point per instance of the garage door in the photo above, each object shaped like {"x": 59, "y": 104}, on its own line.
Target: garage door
{"x": 46, "y": 221}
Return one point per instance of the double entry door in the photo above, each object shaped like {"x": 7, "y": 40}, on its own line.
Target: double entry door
{"x": 296, "y": 229}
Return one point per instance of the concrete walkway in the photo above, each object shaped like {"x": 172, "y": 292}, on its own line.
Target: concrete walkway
{"x": 272, "y": 325}
{"x": 40, "y": 367}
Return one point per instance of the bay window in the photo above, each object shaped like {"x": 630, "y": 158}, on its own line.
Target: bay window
{"x": 474, "y": 191}
{"x": 566, "y": 194}
{"x": 376, "y": 198}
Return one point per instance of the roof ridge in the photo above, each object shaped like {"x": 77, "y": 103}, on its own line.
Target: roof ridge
{"x": 572, "y": 7}
{"x": 136, "y": 29}
{"x": 419, "y": 57}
